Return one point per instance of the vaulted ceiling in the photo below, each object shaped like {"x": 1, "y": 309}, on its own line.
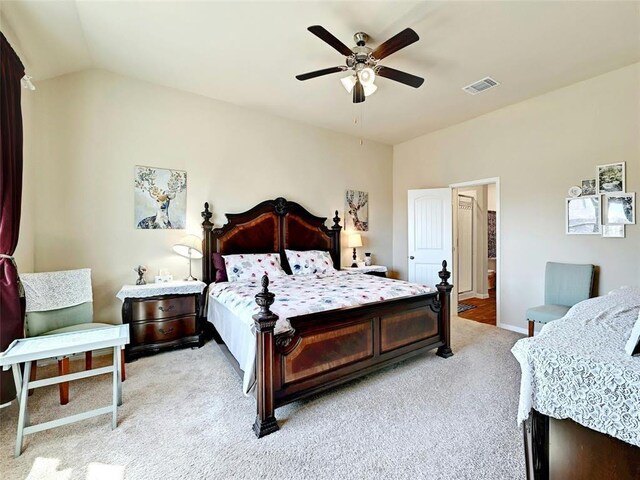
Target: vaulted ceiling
{"x": 248, "y": 53}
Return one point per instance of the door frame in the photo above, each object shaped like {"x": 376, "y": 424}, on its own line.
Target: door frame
{"x": 454, "y": 256}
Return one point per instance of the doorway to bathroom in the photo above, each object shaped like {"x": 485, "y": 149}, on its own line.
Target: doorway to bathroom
{"x": 476, "y": 216}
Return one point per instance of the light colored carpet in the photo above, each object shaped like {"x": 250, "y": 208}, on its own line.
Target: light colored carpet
{"x": 184, "y": 416}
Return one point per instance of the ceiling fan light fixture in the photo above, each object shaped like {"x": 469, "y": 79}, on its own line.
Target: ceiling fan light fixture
{"x": 348, "y": 82}
{"x": 367, "y": 76}
{"x": 369, "y": 89}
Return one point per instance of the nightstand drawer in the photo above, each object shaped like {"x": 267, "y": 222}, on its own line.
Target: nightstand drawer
{"x": 168, "y": 307}
{"x": 163, "y": 330}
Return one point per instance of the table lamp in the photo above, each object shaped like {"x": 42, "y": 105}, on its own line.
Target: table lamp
{"x": 354, "y": 240}
{"x": 190, "y": 247}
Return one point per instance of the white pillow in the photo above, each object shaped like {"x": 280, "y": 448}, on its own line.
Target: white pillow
{"x": 633, "y": 344}
{"x": 310, "y": 262}
{"x": 253, "y": 266}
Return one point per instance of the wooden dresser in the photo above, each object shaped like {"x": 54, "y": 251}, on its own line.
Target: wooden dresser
{"x": 162, "y": 322}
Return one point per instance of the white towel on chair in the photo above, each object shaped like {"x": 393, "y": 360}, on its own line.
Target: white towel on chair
{"x": 54, "y": 290}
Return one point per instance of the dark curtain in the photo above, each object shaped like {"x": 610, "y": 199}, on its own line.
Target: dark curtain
{"x": 11, "y": 295}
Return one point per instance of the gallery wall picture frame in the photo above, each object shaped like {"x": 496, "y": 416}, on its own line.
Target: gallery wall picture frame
{"x": 589, "y": 187}
{"x": 620, "y": 208}
{"x": 613, "y": 231}
{"x": 611, "y": 178}
{"x": 583, "y": 215}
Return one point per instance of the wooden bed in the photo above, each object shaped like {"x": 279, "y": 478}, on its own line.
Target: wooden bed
{"x": 328, "y": 348}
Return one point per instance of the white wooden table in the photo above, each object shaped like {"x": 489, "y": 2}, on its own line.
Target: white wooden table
{"x": 28, "y": 350}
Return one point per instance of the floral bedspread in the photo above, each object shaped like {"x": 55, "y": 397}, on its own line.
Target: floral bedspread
{"x": 577, "y": 367}
{"x": 303, "y": 294}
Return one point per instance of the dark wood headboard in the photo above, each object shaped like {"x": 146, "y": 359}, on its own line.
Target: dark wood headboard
{"x": 269, "y": 227}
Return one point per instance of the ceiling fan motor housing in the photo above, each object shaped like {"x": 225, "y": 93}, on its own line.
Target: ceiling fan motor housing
{"x": 360, "y": 38}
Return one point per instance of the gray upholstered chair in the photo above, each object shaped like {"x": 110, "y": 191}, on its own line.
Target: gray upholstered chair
{"x": 60, "y": 302}
{"x": 565, "y": 285}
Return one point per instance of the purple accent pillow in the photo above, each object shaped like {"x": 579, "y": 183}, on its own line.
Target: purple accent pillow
{"x": 220, "y": 268}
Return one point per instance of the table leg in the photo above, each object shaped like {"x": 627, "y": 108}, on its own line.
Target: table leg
{"x": 23, "y": 416}
{"x": 116, "y": 359}
{"x": 120, "y": 375}
{"x": 15, "y": 368}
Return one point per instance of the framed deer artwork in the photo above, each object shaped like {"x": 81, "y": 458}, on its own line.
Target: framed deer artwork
{"x": 356, "y": 211}
{"x": 160, "y": 198}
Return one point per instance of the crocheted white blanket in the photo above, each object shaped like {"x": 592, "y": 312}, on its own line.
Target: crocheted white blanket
{"x": 577, "y": 367}
{"x": 54, "y": 290}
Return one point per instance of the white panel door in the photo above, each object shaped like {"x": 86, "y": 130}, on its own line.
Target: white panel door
{"x": 430, "y": 234}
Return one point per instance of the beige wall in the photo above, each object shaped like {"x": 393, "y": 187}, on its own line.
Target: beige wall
{"x": 25, "y": 251}
{"x": 94, "y": 127}
{"x": 538, "y": 148}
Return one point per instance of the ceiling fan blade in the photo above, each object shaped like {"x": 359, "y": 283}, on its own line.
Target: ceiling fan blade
{"x": 323, "y": 34}
{"x": 358, "y": 92}
{"x": 399, "y": 76}
{"x": 403, "y": 39}
{"x": 319, "y": 73}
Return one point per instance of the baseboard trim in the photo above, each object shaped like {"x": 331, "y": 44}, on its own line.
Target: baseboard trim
{"x": 466, "y": 295}
{"x": 513, "y": 328}
{"x": 482, "y": 296}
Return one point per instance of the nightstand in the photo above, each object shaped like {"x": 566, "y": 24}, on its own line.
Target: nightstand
{"x": 161, "y": 316}
{"x": 376, "y": 270}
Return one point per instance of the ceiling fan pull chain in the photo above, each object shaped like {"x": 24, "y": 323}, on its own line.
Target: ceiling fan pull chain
{"x": 361, "y": 123}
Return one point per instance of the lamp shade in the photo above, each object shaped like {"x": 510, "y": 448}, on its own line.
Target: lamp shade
{"x": 369, "y": 89}
{"x": 367, "y": 76}
{"x": 354, "y": 240}
{"x": 348, "y": 82}
{"x": 189, "y": 246}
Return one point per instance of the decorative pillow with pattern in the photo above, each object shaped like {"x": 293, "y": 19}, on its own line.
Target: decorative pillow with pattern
{"x": 633, "y": 344}
{"x": 253, "y": 266}
{"x": 310, "y": 262}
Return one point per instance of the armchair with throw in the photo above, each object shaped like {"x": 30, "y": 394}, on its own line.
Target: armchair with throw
{"x": 60, "y": 302}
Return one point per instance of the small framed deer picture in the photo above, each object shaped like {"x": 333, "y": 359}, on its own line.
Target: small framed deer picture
{"x": 356, "y": 211}
{"x": 160, "y": 198}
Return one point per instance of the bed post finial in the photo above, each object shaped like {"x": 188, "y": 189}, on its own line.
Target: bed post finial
{"x": 336, "y": 221}
{"x": 265, "y": 322}
{"x": 207, "y": 244}
{"x": 206, "y": 214}
{"x": 444, "y": 298}
{"x": 444, "y": 274}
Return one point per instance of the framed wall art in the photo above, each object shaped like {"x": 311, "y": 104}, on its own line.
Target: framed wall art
{"x": 160, "y": 198}
{"x": 583, "y": 216}
{"x": 356, "y": 211}
{"x": 620, "y": 209}
{"x": 611, "y": 178}
{"x": 589, "y": 187}
{"x": 613, "y": 231}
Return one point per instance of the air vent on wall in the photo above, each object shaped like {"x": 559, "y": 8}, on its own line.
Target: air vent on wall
{"x": 481, "y": 86}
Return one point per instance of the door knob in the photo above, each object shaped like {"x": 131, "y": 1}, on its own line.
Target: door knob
{"x": 412, "y": 257}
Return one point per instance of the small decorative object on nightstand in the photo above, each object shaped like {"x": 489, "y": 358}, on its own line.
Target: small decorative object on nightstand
{"x": 162, "y": 316}
{"x": 353, "y": 241}
{"x": 190, "y": 247}
{"x": 140, "y": 270}
{"x": 376, "y": 270}
{"x": 367, "y": 259}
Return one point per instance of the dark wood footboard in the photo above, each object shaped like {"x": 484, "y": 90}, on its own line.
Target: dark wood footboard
{"x": 563, "y": 449}
{"x": 326, "y": 349}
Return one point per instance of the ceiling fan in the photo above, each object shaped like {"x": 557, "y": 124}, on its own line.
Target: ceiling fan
{"x": 363, "y": 61}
